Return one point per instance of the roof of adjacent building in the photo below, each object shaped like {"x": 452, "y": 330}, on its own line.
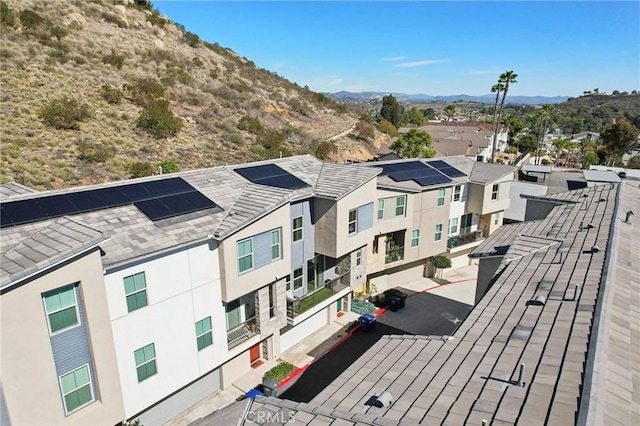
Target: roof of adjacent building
{"x": 134, "y": 235}
{"x": 11, "y": 189}
{"x": 571, "y": 355}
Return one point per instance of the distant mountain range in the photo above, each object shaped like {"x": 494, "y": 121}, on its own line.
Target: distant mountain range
{"x": 417, "y": 98}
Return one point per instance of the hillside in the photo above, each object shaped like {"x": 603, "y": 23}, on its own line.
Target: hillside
{"x": 78, "y": 78}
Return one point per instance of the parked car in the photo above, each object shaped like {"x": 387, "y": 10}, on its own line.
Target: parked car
{"x": 393, "y": 299}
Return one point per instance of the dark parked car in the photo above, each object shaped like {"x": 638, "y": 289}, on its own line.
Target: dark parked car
{"x": 393, "y": 299}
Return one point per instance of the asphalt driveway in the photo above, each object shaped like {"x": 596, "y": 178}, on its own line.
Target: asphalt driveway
{"x": 423, "y": 314}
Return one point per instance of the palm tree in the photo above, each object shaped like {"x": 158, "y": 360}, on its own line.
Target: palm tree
{"x": 450, "y": 110}
{"x": 506, "y": 78}
{"x": 545, "y": 115}
{"x": 497, "y": 88}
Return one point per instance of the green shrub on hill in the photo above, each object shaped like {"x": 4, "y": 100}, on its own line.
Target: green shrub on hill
{"x": 64, "y": 113}
{"x": 158, "y": 120}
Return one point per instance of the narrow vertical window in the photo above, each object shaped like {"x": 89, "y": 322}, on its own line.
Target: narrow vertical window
{"x": 272, "y": 301}
{"x": 456, "y": 192}
{"x": 496, "y": 218}
{"x": 245, "y": 255}
{"x": 297, "y": 278}
{"x": 275, "y": 244}
{"x": 438, "y": 233}
{"x": 453, "y": 226}
{"x": 145, "y": 362}
{"x": 359, "y": 257}
{"x": 353, "y": 221}
{"x": 297, "y": 229}
{"x": 135, "y": 288}
{"x": 415, "y": 238}
{"x": 441, "y": 194}
{"x": 204, "y": 336}
{"x": 380, "y": 209}
{"x": 494, "y": 191}
{"x": 62, "y": 308}
{"x": 400, "y": 205}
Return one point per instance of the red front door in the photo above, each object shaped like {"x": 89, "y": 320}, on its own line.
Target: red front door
{"x": 254, "y": 352}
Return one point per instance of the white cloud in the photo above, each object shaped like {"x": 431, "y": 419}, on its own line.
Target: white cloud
{"x": 420, "y": 63}
{"x": 395, "y": 58}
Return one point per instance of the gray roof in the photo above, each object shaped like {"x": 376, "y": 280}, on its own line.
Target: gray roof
{"x": 474, "y": 375}
{"x": 134, "y": 235}
{"x": 13, "y": 188}
{"x": 536, "y": 169}
{"x": 601, "y": 176}
{"x": 485, "y": 173}
{"x": 59, "y": 240}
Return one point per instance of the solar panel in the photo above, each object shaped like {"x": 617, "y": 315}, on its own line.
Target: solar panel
{"x": 432, "y": 180}
{"x": 388, "y": 169}
{"x": 446, "y": 168}
{"x": 53, "y": 206}
{"x": 175, "y": 205}
{"x": 271, "y": 175}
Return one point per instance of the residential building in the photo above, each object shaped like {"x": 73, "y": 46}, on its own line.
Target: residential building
{"x": 143, "y": 297}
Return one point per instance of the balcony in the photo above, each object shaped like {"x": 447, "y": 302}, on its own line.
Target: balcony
{"x": 394, "y": 254}
{"x": 296, "y": 307}
{"x": 462, "y": 241}
{"x": 242, "y": 332}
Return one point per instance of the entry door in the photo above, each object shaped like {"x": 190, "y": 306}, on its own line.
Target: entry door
{"x": 254, "y": 352}
{"x": 339, "y": 305}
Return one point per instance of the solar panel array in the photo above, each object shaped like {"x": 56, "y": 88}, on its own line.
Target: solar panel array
{"x": 432, "y": 173}
{"x": 159, "y": 199}
{"x": 271, "y": 175}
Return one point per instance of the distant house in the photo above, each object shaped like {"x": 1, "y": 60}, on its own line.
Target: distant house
{"x": 582, "y": 136}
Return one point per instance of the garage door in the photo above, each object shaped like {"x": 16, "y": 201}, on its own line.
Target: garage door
{"x": 303, "y": 330}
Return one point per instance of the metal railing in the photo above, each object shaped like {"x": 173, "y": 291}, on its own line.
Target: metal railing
{"x": 242, "y": 332}
{"x": 394, "y": 255}
{"x": 463, "y": 239}
{"x": 297, "y": 306}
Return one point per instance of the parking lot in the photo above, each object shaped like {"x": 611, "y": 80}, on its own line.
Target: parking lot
{"x": 423, "y": 314}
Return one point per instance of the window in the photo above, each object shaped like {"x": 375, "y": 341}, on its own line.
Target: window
{"x": 380, "y": 209}
{"x": 245, "y": 255}
{"x": 359, "y": 257}
{"x": 438, "y": 234}
{"x": 456, "y": 192}
{"x": 496, "y": 218}
{"x": 272, "y": 301}
{"x": 441, "y": 193}
{"x": 297, "y": 278}
{"x": 453, "y": 226}
{"x": 297, "y": 229}
{"x": 494, "y": 192}
{"x": 288, "y": 282}
{"x": 275, "y": 244}
{"x": 145, "y": 362}
{"x": 135, "y": 288}
{"x": 400, "y": 204}
{"x": 353, "y": 221}
{"x": 415, "y": 238}
{"x": 61, "y": 307}
{"x": 465, "y": 223}
{"x": 76, "y": 389}
{"x": 204, "y": 337}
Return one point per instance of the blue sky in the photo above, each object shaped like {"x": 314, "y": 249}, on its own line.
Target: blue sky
{"x": 435, "y": 48}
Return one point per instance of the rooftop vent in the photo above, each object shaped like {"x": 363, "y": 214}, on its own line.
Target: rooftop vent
{"x": 595, "y": 249}
{"x": 545, "y": 285}
{"x": 537, "y": 301}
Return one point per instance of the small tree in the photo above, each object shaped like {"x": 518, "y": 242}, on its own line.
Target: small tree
{"x": 391, "y": 110}
{"x": 450, "y": 111}
{"x": 440, "y": 262}
{"x": 159, "y": 121}
{"x": 618, "y": 139}
{"x": 386, "y": 127}
{"x": 415, "y": 143}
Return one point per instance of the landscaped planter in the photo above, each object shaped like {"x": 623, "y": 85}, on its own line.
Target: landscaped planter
{"x": 273, "y": 377}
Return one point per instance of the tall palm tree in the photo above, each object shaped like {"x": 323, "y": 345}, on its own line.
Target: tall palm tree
{"x": 450, "y": 110}
{"x": 506, "y": 78}
{"x": 497, "y": 89}
{"x": 545, "y": 115}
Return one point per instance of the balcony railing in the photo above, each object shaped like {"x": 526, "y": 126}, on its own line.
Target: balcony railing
{"x": 463, "y": 239}
{"x": 242, "y": 332}
{"x": 297, "y": 306}
{"x": 395, "y": 254}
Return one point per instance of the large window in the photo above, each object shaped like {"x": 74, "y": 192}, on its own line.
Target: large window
{"x": 297, "y": 278}
{"x": 146, "y": 362}
{"x": 62, "y": 308}
{"x": 438, "y": 234}
{"x": 275, "y": 244}
{"x": 245, "y": 255}
{"x": 453, "y": 226}
{"x": 494, "y": 191}
{"x": 380, "y": 209}
{"x": 135, "y": 288}
{"x": 353, "y": 221}
{"x": 76, "y": 389}
{"x": 441, "y": 194}
{"x": 400, "y": 205}
{"x": 456, "y": 192}
{"x": 415, "y": 238}
{"x": 297, "y": 229}
{"x": 465, "y": 223}
{"x": 204, "y": 336}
